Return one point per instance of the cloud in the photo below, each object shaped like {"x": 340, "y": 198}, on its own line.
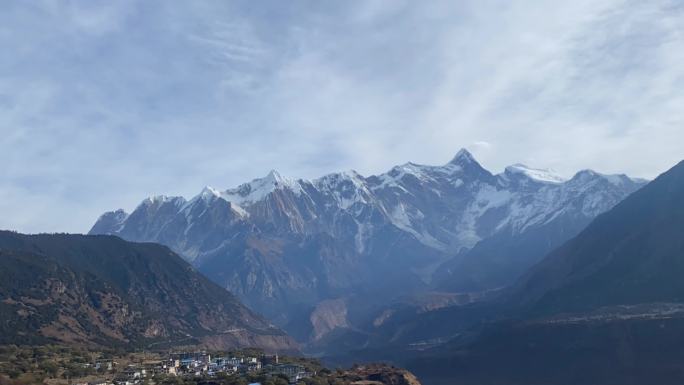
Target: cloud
{"x": 102, "y": 104}
{"x": 481, "y": 144}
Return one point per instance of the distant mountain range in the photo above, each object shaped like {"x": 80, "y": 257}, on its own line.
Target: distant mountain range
{"x": 104, "y": 291}
{"x": 329, "y": 255}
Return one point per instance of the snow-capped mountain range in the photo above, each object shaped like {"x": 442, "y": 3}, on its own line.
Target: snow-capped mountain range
{"x": 282, "y": 244}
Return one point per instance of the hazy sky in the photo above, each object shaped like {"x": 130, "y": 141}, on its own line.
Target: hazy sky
{"x": 105, "y": 103}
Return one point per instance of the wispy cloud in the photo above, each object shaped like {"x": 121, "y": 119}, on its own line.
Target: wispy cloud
{"x": 103, "y": 103}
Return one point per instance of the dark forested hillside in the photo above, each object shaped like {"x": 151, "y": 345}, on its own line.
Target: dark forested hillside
{"x": 102, "y": 290}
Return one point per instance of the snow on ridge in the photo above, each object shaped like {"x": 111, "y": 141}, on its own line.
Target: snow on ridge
{"x": 346, "y": 188}
{"x": 458, "y": 166}
{"x": 421, "y": 172}
{"x": 403, "y": 219}
{"x": 618, "y": 180}
{"x": 537, "y": 174}
{"x": 332, "y": 180}
{"x": 209, "y": 192}
{"x": 118, "y": 214}
{"x": 239, "y": 210}
{"x": 446, "y": 207}
{"x": 158, "y": 199}
{"x": 258, "y": 189}
{"x": 118, "y": 218}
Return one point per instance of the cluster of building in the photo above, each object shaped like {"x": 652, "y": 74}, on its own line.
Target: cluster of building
{"x": 202, "y": 364}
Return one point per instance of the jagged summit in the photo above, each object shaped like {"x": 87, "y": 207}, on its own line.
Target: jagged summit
{"x": 208, "y": 192}
{"x": 585, "y": 176}
{"x": 274, "y": 177}
{"x": 348, "y": 187}
{"x": 257, "y": 189}
{"x": 159, "y": 199}
{"x": 335, "y": 178}
{"x": 111, "y": 222}
{"x": 462, "y": 157}
{"x": 463, "y": 166}
{"x": 120, "y": 213}
{"x": 585, "y": 173}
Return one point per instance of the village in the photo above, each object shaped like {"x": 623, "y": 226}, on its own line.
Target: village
{"x": 63, "y": 365}
{"x": 199, "y": 365}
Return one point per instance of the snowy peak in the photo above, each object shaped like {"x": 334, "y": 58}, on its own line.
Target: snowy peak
{"x": 209, "y": 192}
{"x": 335, "y": 179}
{"x": 406, "y": 168}
{"x": 111, "y": 222}
{"x": 119, "y": 214}
{"x": 456, "y": 204}
{"x": 259, "y": 188}
{"x": 617, "y": 180}
{"x": 463, "y": 157}
{"x": 586, "y": 176}
{"x": 158, "y": 200}
{"x": 536, "y": 174}
{"x": 274, "y": 177}
{"x": 464, "y": 163}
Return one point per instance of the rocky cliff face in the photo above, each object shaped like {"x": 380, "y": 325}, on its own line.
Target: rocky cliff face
{"x": 283, "y": 246}
{"x": 103, "y": 291}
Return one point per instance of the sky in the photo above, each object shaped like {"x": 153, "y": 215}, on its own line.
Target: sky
{"x": 103, "y": 103}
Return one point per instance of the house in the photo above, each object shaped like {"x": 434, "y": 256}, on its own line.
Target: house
{"x": 104, "y": 364}
{"x": 133, "y": 373}
{"x": 193, "y": 357}
{"x": 188, "y": 362}
{"x": 251, "y": 364}
{"x": 293, "y": 372}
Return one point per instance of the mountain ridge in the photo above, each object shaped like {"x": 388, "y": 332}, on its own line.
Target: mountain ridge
{"x": 284, "y": 245}
{"x": 273, "y": 180}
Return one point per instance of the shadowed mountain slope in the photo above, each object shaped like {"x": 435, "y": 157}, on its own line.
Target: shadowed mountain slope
{"x": 605, "y": 308}
{"x": 102, "y": 290}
